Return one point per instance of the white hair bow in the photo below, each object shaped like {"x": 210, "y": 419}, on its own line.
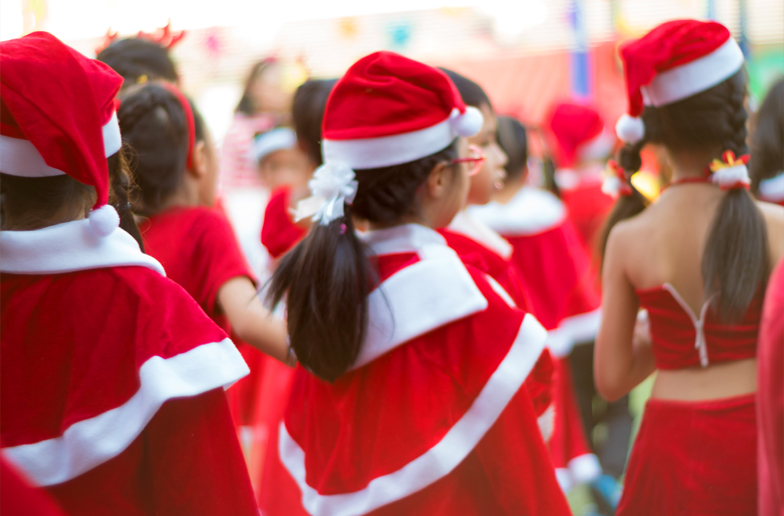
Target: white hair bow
{"x": 333, "y": 184}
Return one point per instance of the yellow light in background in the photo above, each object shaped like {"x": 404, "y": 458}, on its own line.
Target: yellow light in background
{"x": 647, "y": 184}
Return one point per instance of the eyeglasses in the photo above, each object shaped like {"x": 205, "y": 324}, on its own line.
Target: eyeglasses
{"x": 475, "y": 157}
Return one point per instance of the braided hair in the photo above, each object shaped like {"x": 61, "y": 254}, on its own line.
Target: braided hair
{"x": 735, "y": 259}
{"x": 327, "y": 277}
{"x": 154, "y": 125}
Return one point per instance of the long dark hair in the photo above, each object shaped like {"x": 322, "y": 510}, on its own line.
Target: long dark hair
{"x": 134, "y": 57}
{"x": 513, "y": 140}
{"x": 307, "y": 113}
{"x": 326, "y": 278}
{"x": 246, "y": 104}
{"x": 735, "y": 259}
{"x": 32, "y": 202}
{"x": 767, "y": 143}
{"x": 154, "y": 126}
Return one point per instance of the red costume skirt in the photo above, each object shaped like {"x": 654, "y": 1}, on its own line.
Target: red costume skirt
{"x": 694, "y": 459}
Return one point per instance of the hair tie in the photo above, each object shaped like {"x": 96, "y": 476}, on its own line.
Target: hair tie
{"x": 730, "y": 173}
{"x": 186, "y": 107}
{"x": 616, "y": 182}
{"x": 332, "y": 186}
{"x": 122, "y": 208}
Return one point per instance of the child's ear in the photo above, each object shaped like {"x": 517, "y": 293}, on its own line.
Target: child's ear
{"x": 439, "y": 181}
{"x": 199, "y": 160}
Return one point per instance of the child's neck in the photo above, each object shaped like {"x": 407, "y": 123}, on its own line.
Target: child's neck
{"x": 509, "y": 190}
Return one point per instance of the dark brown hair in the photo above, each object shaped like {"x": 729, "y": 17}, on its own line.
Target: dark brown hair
{"x": 307, "y": 113}
{"x": 246, "y": 104}
{"x": 154, "y": 126}
{"x": 735, "y": 259}
{"x": 513, "y": 140}
{"x": 326, "y": 278}
{"x": 767, "y": 143}
{"x": 135, "y": 57}
{"x": 33, "y": 202}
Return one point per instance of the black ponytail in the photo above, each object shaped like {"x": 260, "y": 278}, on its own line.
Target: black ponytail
{"x": 326, "y": 278}
{"x": 154, "y": 126}
{"x": 735, "y": 258}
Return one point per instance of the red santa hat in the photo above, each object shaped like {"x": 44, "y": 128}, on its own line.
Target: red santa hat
{"x": 579, "y": 133}
{"x": 672, "y": 62}
{"x": 59, "y": 117}
{"x": 389, "y": 110}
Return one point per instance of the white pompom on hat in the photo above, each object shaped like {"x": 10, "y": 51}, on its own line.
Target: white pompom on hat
{"x": 68, "y": 126}
{"x": 672, "y": 62}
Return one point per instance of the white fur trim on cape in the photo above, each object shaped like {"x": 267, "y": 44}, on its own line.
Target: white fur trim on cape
{"x": 574, "y": 330}
{"x": 68, "y": 247}
{"x": 424, "y": 296}
{"x": 385, "y": 151}
{"x": 19, "y": 157}
{"x": 529, "y": 212}
{"x": 694, "y": 77}
{"x": 468, "y": 226}
{"x": 547, "y": 423}
{"x": 442, "y": 458}
{"x": 91, "y": 442}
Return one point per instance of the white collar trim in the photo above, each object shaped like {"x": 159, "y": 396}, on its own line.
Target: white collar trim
{"x": 529, "y": 212}
{"x": 420, "y": 298}
{"x": 466, "y": 225}
{"x": 69, "y": 247}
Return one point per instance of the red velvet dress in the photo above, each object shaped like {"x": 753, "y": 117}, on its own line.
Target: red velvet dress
{"x": 112, "y": 378}
{"x": 557, "y": 277}
{"x": 707, "y": 464}
{"x": 433, "y": 418}
{"x": 770, "y": 398}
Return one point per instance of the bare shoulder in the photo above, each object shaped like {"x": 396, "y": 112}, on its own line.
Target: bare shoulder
{"x": 774, "y": 220}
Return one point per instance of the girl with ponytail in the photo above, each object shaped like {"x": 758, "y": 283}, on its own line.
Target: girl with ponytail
{"x": 698, "y": 261}
{"x": 112, "y": 377}
{"x": 410, "y": 396}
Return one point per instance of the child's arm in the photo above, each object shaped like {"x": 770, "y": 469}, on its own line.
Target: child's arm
{"x": 251, "y": 321}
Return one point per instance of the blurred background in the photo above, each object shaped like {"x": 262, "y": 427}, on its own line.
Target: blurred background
{"x": 525, "y": 53}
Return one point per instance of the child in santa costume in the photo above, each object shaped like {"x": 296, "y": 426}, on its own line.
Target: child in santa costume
{"x": 550, "y": 387}
{"x": 555, "y": 271}
{"x": 175, "y": 164}
{"x": 581, "y": 145}
{"x": 697, "y": 260}
{"x": 411, "y": 397}
{"x": 112, "y": 377}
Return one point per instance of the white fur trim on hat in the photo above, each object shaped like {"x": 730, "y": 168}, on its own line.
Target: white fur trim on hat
{"x": 598, "y": 147}
{"x": 19, "y": 157}
{"x": 630, "y": 129}
{"x": 104, "y": 220}
{"x": 112, "y": 140}
{"x": 397, "y": 149}
{"x": 272, "y": 141}
{"x": 694, "y": 77}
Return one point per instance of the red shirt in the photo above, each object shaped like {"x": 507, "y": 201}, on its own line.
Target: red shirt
{"x": 770, "y": 398}
{"x": 198, "y": 250}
